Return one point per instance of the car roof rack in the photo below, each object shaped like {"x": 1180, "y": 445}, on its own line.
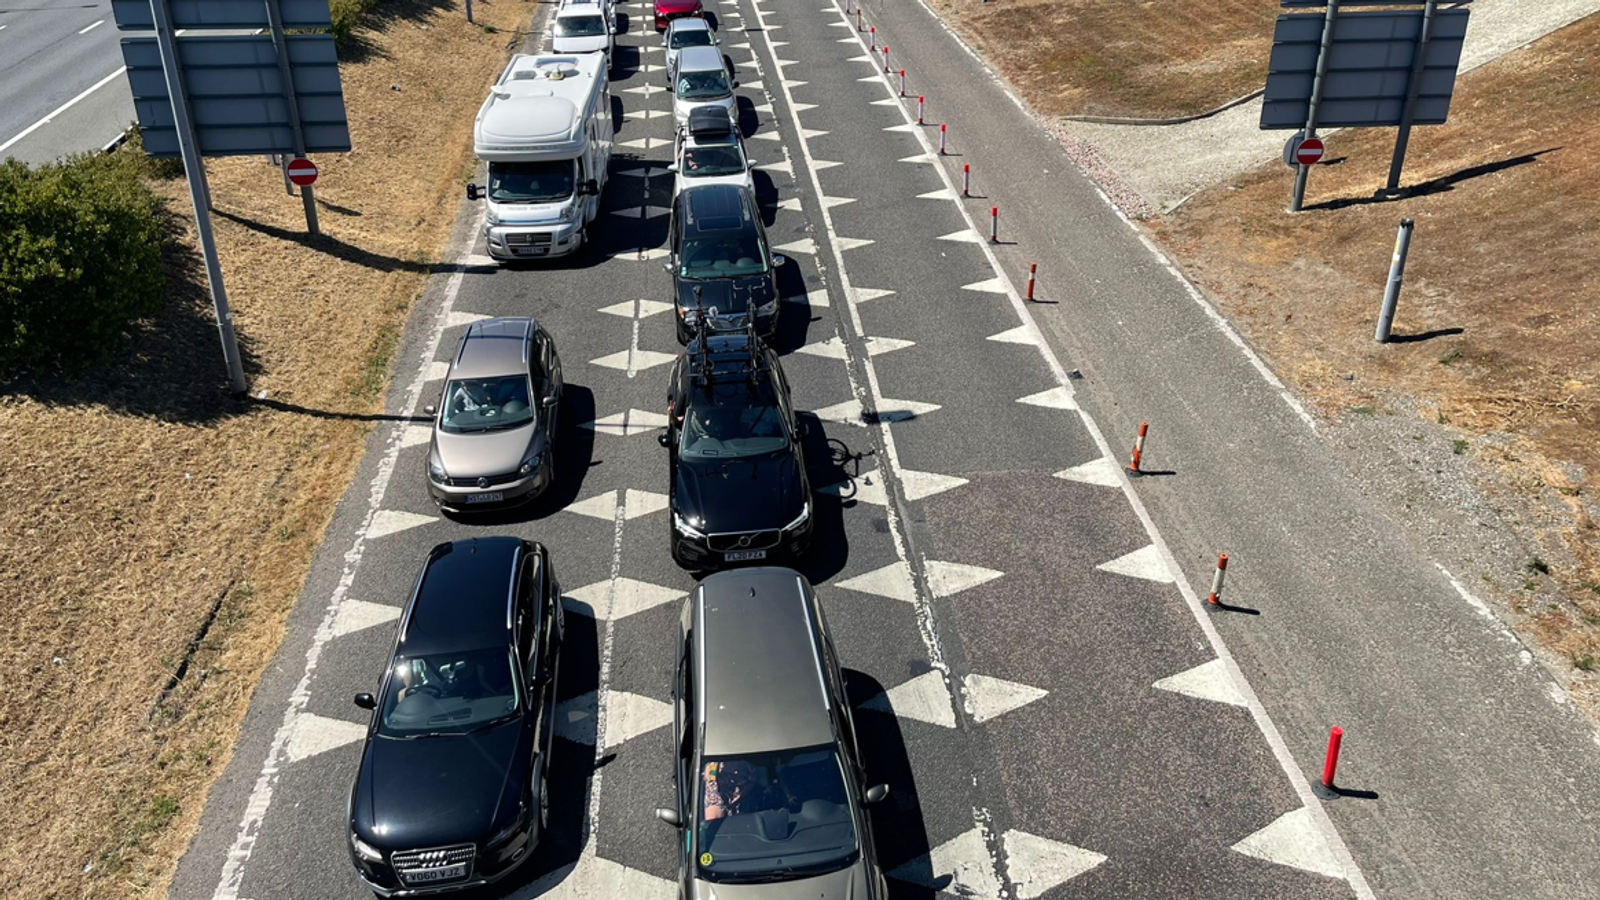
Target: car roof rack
{"x": 703, "y": 366}
{"x": 710, "y": 122}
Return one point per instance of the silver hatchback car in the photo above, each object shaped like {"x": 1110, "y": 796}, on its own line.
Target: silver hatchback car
{"x": 496, "y": 420}
{"x": 686, "y": 32}
{"x": 771, "y": 792}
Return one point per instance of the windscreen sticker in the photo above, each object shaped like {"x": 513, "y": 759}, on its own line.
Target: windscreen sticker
{"x": 705, "y": 859}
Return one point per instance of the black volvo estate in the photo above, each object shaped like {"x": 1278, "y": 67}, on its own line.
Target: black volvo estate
{"x": 452, "y": 788}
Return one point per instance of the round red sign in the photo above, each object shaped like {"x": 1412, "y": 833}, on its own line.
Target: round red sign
{"x": 302, "y": 172}
{"x": 1309, "y": 151}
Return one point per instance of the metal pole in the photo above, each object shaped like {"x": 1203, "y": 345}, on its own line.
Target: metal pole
{"x": 1316, "y": 100}
{"x": 192, "y": 167}
{"x": 469, "y": 13}
{"x": 1412, "y": 90}
{"x": 281, "y": 160}
{"x": 275, "y": 23}
{"x": 1397, "y": 269}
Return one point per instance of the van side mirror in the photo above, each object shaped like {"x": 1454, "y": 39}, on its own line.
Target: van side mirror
{"x": 876, "y": 793}
{"x": 551, "y": 401}
{"x": 669, "y": 816}
{"x": 591, "y": 187}
{"x": 672, "y": 167}
{"x": 472, "y": 192}
{"x": 366, "y": 701}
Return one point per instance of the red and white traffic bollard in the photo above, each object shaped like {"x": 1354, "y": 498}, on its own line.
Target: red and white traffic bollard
{"x": 858, "y": 18}
{"x": 941, "y": 138}
{"x": 1215, "y": 597}
{"x": 885, "y": 59}
{"x": 994, "y": 224}
{"x": 847, "y": 8}
{"x": 1138, "y": 448}
{"x": 902, "y": 82}
{"x": 1033, "y": 269}
{"x": 1326, "y": 788}
{"x": 874, "y": 37}
{"x": 919, "y": 109}
{"x": 966, "y": 179}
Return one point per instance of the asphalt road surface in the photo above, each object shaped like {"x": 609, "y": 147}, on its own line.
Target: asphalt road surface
{"x": 59, "y": 65}
{"x": 1034, "y": 672}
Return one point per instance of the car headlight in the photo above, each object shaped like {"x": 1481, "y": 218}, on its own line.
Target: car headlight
{"x": 436, "y": 472}
{"x": 531, "y": 464}
{"x": 510, "y": 831}
{"x": 365, "y": 850}
{"x": 768, "y": 308}
{"x": 491, "y": 217}
{"x": 686, "y": 527}
{"x": 805, "y": 513}
{"x": 568, "y": 213}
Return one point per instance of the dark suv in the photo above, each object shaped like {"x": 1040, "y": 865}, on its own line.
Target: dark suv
{"x": 769, "y": 778}
{"x": 453, "y": 786}
{"x": 720, "y": 259}
{"x": 738, "y": 486}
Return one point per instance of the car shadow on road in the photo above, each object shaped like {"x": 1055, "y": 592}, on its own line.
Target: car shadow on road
{"x": 574, "y": 457}
{"x": 898, "y": 829}
{"x": 794, "y": 316}
{"x": 832, "y": 467}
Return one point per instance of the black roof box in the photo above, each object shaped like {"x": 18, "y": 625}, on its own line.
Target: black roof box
{"x": 710, "y": 121}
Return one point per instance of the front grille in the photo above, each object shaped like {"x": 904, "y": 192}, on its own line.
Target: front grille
{"x": 748, "y": 540}
{"x": 488, "y": 480}
{"x": 528, "y": 238}
{"x": 410, "y": 863}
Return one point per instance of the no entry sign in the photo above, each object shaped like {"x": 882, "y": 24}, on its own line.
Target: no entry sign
{"x": 304, "y": 172}
{"x": 1307, "y": 154}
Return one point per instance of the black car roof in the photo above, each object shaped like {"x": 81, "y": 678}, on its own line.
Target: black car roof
{"x": 463, "y": 599}
{"x": 713, "y": 208}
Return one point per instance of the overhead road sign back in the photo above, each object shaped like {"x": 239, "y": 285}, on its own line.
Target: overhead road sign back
{"x": 236, "y": 94}
{"x": 135, "y": 15}
{"x": 1369, "y": 68}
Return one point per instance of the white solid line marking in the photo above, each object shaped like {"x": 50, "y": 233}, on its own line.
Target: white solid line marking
{"x": 93, "y": 27}
{"x": 62, "y": 108}
{"x": 989, "y": 697}
{"x": 1293, "y": 839}
{"x": 1146, "y": 563}
{"x": 925, "y": 698}
{"x": 1207, "y": 681}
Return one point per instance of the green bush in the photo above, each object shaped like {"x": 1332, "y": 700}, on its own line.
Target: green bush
{"x": 346, "y": 14}
{"x": 80, "y": 259}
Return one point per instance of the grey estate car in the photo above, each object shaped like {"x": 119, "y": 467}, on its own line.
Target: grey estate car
{"x": 769, "y": 781}
{"x": 494, "y": 425}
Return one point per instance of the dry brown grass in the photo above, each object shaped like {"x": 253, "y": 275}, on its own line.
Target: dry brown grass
{"x": 142, "y": 503}
{"x": 1506, "y": 206}
{"x": 1121, "y": 57}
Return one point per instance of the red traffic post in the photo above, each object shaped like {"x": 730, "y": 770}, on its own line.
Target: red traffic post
{"x": 994, "y": 224}
{"x": 1215, "y": 597}
{"x": 966, "y": 179}
{"x": 874, "y": 36}
{"x": 919, "y": 109}
{"x": 902, "y": 82}
{"x": 847, "y": 8}
{"x": 1138, "y": 449}
{"x": 858, "y": 18}
{"x": 885, "y": 59}
{"x": 1033, "y": 270}
{"x": 1326, "y": 788}
{"x": 941, "y": 138}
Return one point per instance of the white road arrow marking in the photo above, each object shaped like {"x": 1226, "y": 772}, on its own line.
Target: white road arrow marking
{"x": 1207, "y": 681}
{"x": 925, "y": 698}
{"x": 1293, "y": 840}
{"x": 1145, "y": 563}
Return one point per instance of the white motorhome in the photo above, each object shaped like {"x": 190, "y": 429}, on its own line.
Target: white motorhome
{"x": 546, "y": 133}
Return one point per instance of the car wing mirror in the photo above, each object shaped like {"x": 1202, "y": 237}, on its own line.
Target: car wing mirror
{"x": 669, "y": 816}
{"x": 876, "y": 793}
{"x": 779, "y": 259}
{"x": 663, "y": 440}
{"x": 541, "y": 678}
{"x": 551, "y": 401}
{"x": 672, "y": 167}
{"x": 472, "y": 192}
{"x": 667, "y": 266}
{"x": 366, "y": 701}
{"x": 591, "y": 187}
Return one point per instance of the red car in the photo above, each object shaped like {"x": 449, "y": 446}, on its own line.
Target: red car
{"x": 667, "y": 10}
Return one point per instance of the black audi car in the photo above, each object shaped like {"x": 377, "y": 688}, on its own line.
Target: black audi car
{"x": 720, "y": 260}
{"x": 452, "y": 790}
{"x": 739, "y": 491}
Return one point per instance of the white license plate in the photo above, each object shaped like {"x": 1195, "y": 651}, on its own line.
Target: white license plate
{"x": 443, "y": 873}
{"x": 528, "y": 251}
{"x": 743, "y": 555}
{"x": 492, "y": 497}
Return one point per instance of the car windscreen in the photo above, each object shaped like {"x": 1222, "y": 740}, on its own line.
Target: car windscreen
{"x": 706, "y": 162}
{"x": 703, "y": 85}
{"x": 486, "y": 404}
{"x": 690, "y": 37}
{"x": 580, "y": 26}
{"x": 449, "y": 693}
{"x": 735, "y": 421}
{"x": 728, "y": 255}
{"x": 532, "y": 182}
{"x": 773, "y": 816}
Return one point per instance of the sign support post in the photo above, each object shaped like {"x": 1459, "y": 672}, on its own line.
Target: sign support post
{"x": 1412, "y": 90}
{"x": 275, "y": 23}
{"x": 1302, "y": 171}
{"x": 198, "y": 195}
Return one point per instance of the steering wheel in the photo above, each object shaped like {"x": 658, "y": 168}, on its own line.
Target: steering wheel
{"x": 432, "y": 690}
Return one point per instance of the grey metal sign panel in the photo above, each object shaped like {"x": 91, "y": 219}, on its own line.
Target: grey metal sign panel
{"x": 1369, "y": 69}
{"x": 135, "y": 15}
{"x": 1293, "y": 4}
{"x": 236, "y": 94}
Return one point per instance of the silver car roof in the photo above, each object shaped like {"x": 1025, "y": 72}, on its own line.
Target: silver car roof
{"x": 495, "y": 347}
{"x": 700, "y": 59}
{"x": 761, "y": 683}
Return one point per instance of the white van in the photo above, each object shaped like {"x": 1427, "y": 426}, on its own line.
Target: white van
{"x": 585, "y": 26}
{"x": 546, "y": 133}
